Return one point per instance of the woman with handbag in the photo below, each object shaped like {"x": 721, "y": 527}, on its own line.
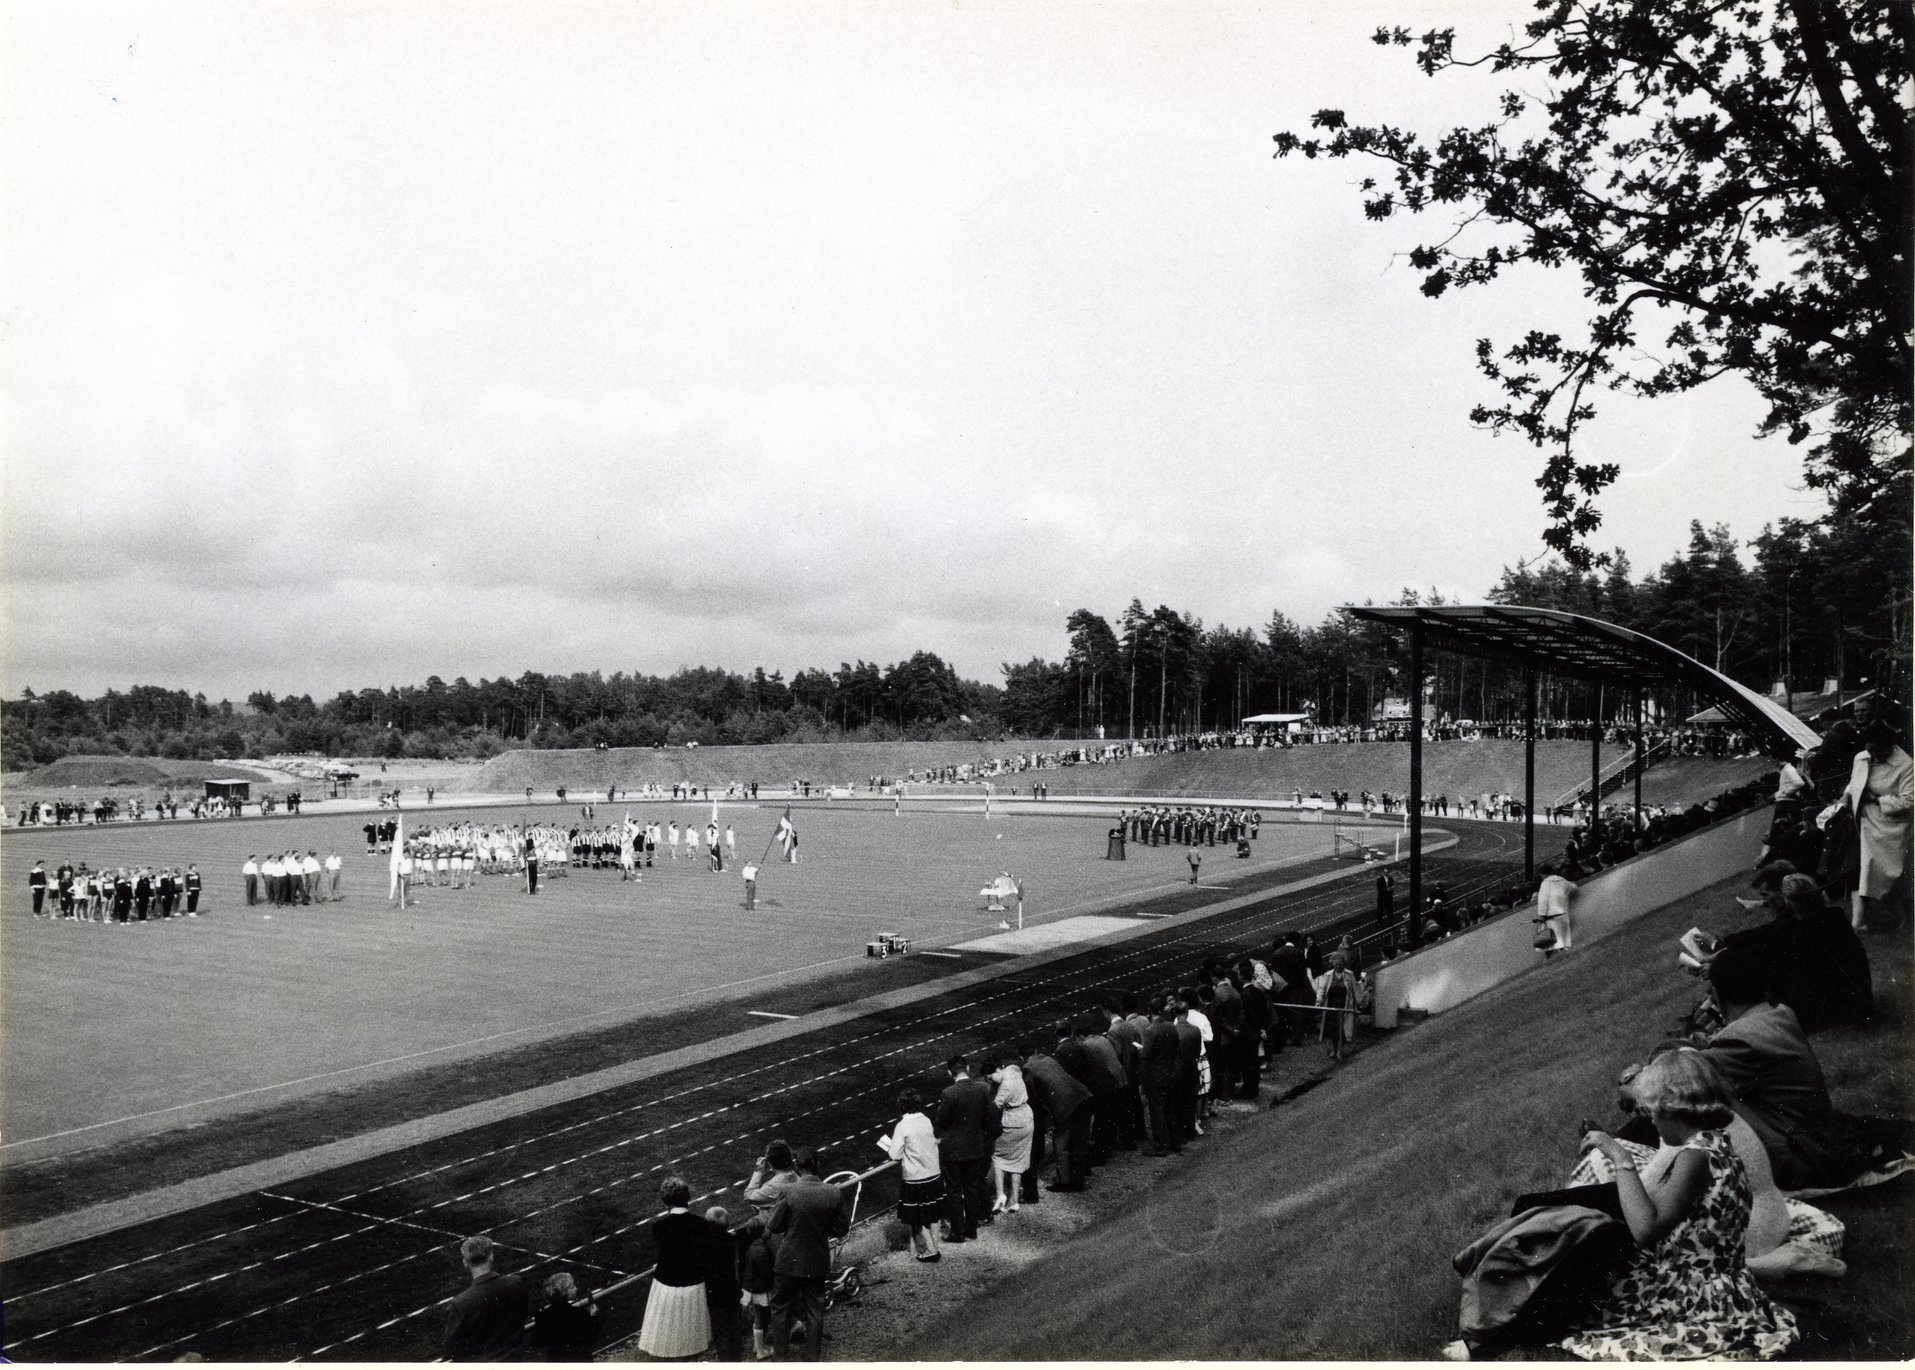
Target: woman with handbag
{"x": 1011, "y": 1149}
{"x": 1877, "y": 801}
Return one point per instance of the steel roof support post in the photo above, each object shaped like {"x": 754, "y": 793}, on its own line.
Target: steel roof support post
{"x": 1416, "y": 784}
{"x": 1639, "y": 755}
{"x": 1595, "y": 759}
{"x": 1529, "y": 773}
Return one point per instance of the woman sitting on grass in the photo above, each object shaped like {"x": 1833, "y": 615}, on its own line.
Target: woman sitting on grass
{"x": 1687, "y": 1294}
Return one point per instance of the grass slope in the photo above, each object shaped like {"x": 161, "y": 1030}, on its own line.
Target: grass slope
{"x": 844, "y": 763}
{"x": 1325, "y": 1230}
{"x": 92, "y": 772}
{"x": 1452, "y": 768}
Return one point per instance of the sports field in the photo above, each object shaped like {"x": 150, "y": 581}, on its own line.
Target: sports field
{"x": 174, "y": 1023}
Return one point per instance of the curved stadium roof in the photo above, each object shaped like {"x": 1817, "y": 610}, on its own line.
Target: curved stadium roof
{"x": 1571, "y": 644}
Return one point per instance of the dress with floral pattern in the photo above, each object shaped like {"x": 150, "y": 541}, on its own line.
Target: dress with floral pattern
{"x": 1691, "y": 1296}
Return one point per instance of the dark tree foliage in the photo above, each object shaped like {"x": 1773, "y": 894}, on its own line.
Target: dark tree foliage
{"x": 1732, "y": 183}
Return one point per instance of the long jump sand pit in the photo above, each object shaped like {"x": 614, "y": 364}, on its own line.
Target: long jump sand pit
{"x": 108, "y": 1031}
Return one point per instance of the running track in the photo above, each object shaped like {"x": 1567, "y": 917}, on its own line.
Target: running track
{"x": 358, "y": 1263}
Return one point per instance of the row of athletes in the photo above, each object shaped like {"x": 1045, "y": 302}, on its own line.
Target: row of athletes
{"x": 499, "y": 849}
{"x": 449, "y": 857}
{"x": 138, "y": 896}
{"x": 1189, "y": 827}
{"x": 288, "y": 878}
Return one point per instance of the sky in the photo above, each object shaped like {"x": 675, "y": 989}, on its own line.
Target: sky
{"x": 347, "y": 344}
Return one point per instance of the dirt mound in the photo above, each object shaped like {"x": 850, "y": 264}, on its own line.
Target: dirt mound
{"x": 97, "y": 772}
{"x": 843, "y": 763}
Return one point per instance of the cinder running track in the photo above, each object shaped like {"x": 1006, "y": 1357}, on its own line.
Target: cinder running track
{"x": 357, "y": 1263}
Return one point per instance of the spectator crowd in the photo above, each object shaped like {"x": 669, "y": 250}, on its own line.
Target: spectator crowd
{"x": 1683, "y": 1227}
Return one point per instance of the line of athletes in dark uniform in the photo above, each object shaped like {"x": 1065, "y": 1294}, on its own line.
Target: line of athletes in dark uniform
{"x": 1188, "y": 827}
{"x": 119, "y": 896}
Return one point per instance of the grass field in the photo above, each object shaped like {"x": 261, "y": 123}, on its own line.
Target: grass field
{"x": 1324, "y": 1229}
{"x": 177, "y": 1022}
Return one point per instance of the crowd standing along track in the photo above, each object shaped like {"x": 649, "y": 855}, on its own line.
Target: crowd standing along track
{"x": 358, "y": 1263}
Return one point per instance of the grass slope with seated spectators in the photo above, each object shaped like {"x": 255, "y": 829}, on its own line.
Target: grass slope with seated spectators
{"x": 1325, "y": 1229}
{"x": 774, "y": 764}
{"x": 1452, "y": 768}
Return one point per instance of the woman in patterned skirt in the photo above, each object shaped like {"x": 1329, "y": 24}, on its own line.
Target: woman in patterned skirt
{"x": 1688, "y": 1294}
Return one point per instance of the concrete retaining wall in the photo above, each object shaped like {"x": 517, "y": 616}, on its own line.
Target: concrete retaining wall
{"x": 1464, "y": 966}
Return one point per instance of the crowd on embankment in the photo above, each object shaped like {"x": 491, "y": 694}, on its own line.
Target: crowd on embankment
{"x": 1681, "y": 1229}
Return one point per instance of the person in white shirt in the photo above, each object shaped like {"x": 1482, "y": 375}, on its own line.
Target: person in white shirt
{"x": 251, "y": 871}
{"x": 913, "y": 1143}
{"x": 671, "y": 838}
{"x": 333, "y": 865}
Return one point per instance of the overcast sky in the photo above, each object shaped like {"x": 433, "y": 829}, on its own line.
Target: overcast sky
{"x": 347, "y": 344}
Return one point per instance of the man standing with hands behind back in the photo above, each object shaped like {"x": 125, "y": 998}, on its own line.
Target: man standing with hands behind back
{"x": 965, "y": 1127}
{"x": 810, "y": 1216}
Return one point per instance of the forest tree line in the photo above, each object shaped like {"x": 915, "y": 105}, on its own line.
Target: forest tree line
{"x": 1810, "y": 602}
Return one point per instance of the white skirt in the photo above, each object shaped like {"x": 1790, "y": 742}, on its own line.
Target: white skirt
{"x": 677, "y": 1322}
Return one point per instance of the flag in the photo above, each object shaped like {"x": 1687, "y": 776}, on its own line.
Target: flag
{"x": 787, "y": 836}
{"x": 398, "y": 851}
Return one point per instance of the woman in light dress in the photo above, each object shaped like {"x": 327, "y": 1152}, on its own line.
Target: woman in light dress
{"x": 1011, "y": 1152}
{"x": 1879, "y": 793}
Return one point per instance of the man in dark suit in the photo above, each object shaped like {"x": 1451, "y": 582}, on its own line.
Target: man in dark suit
{"x": 1128, "y": 1040}
{"x": 487, "y": 1318}
{"x": 1190, "y": 1050}
{"x": 1071, "y": 1055}
{"x": 1162, "y": 1054}
{"x": 1066, "y": 1103}
{"x": 809, "y": 1217}
{"x": 1227, "y": 1022}
{"x": 1288, "y": 965}
{"x": 1110, "y": 1126}
{"x": 965, "y": 1121}
{"x": 1257, "y": 1018}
